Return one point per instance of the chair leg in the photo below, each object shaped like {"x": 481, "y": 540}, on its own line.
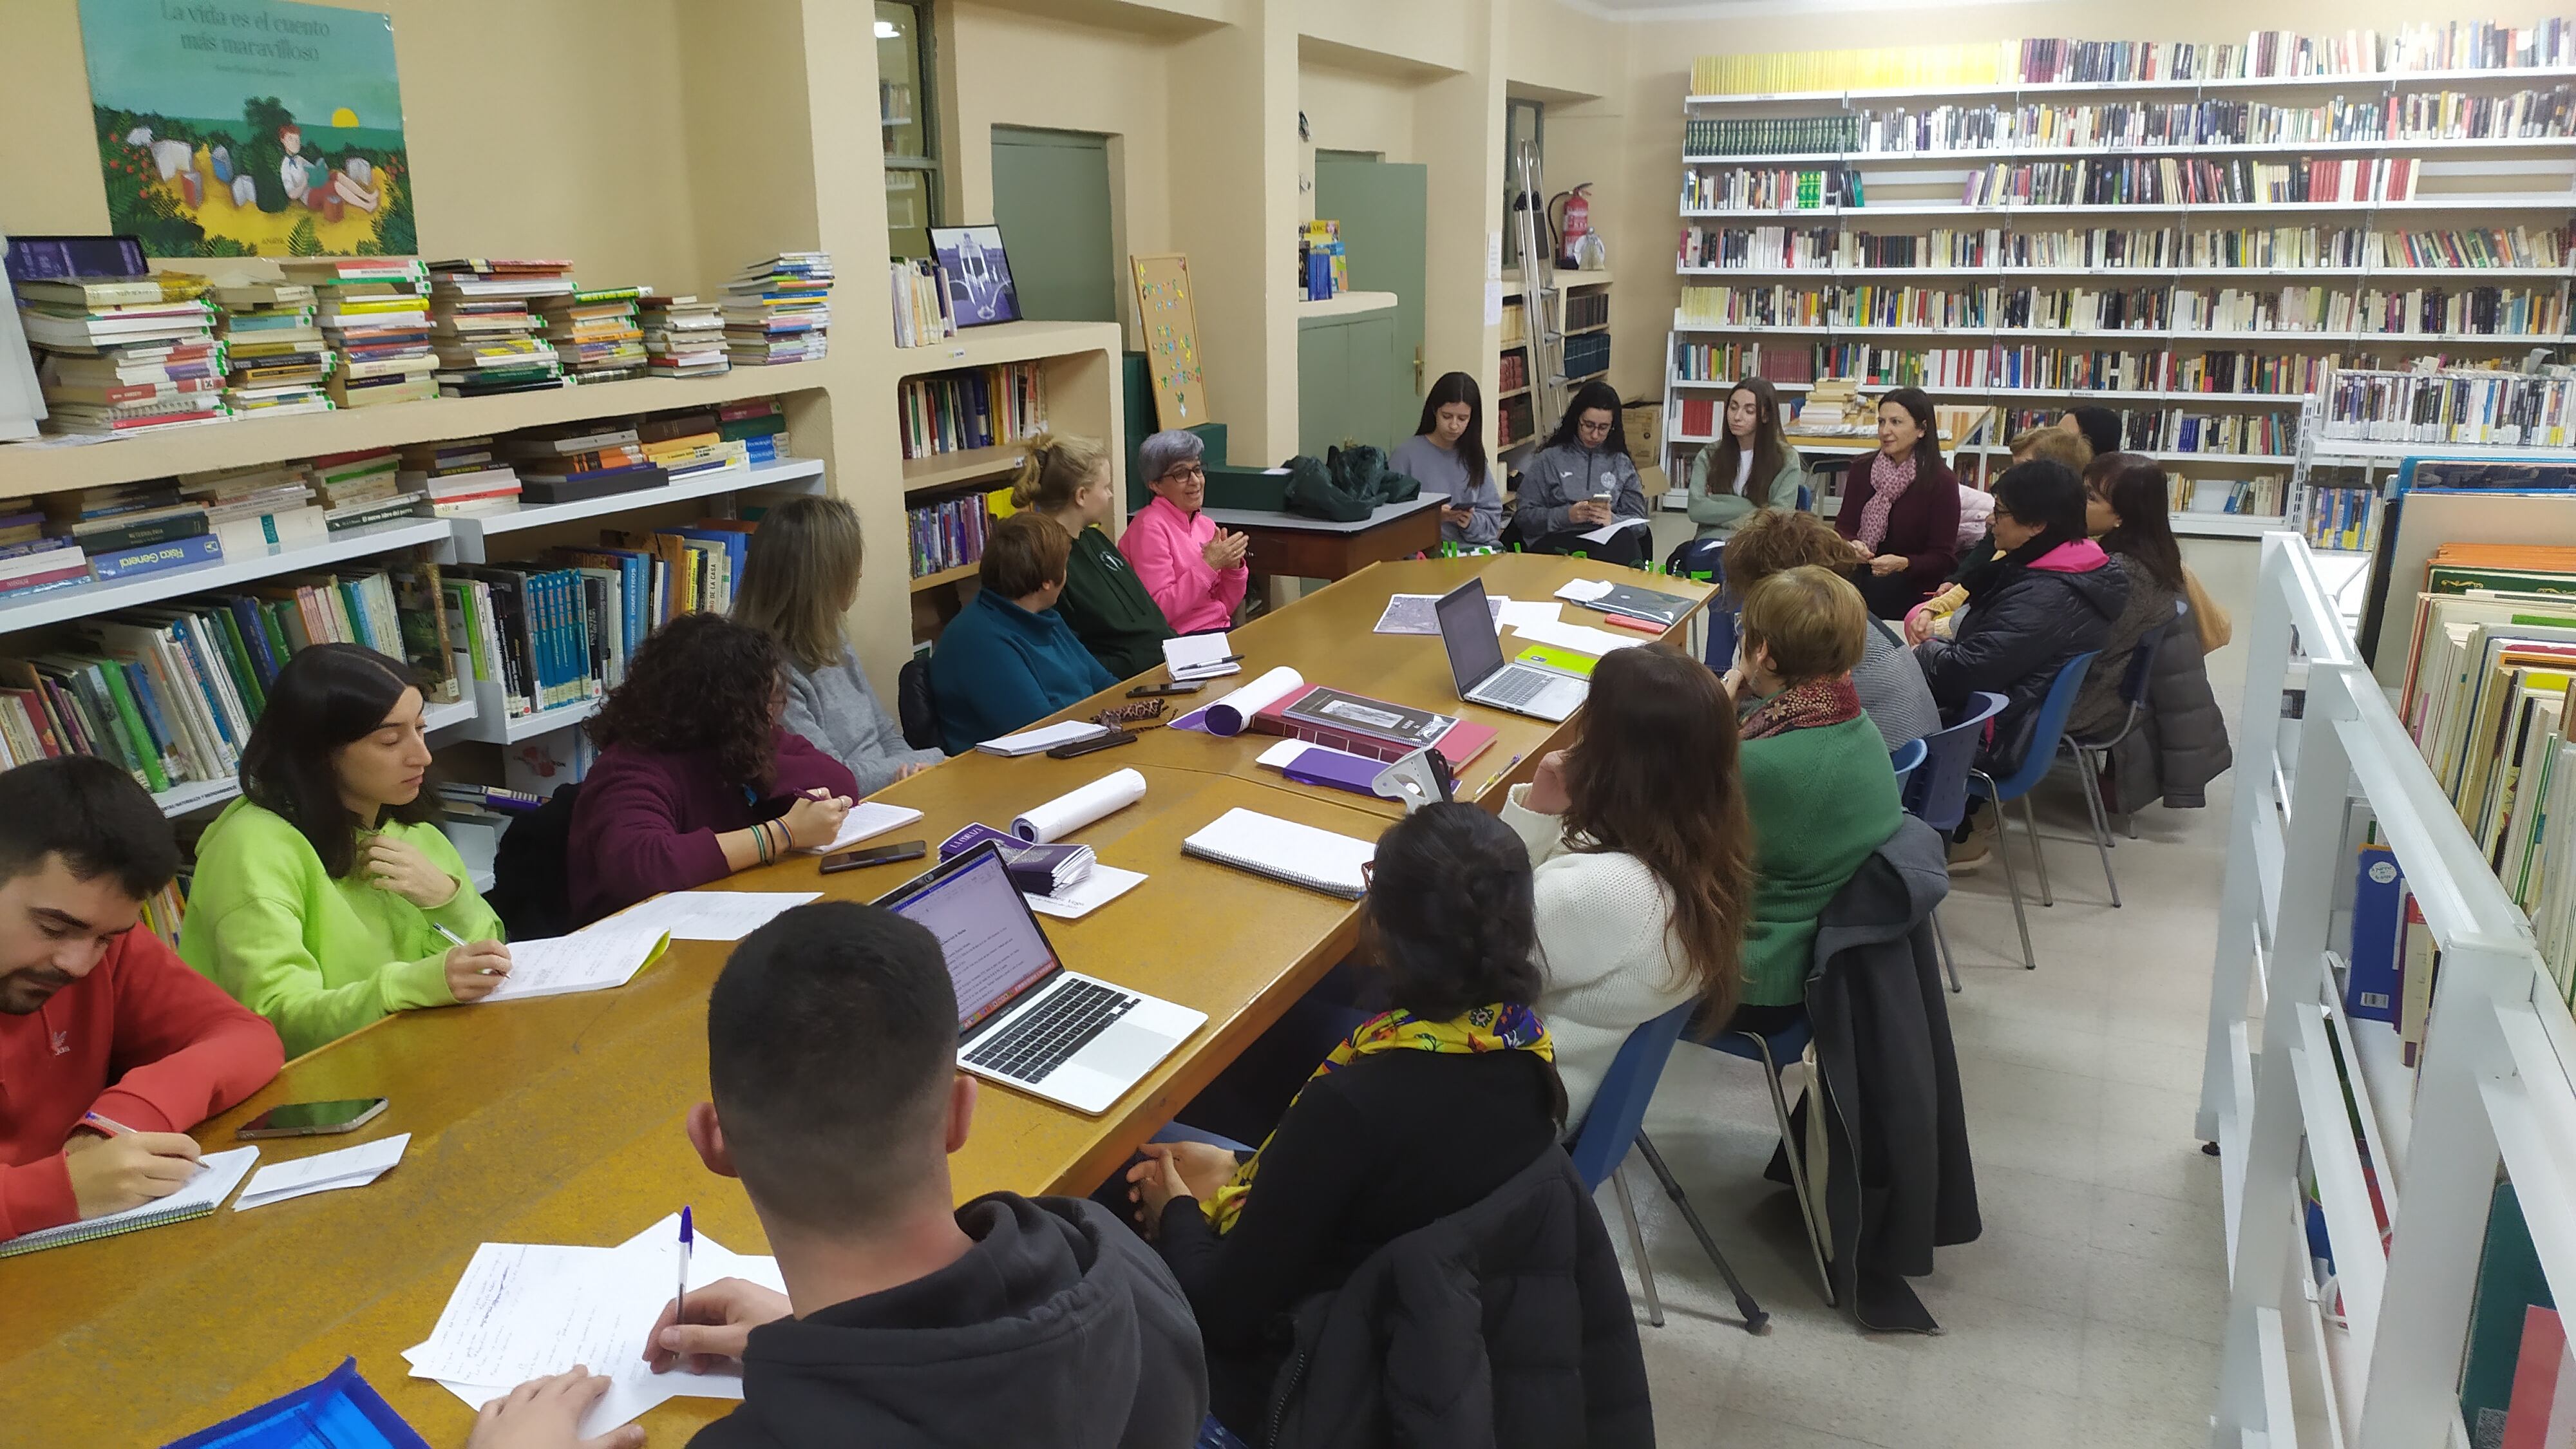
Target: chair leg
{"x": 2092, "y": 785}
{"x": 1797, "y": 1169}
{"x": 1750, "y": 1311}
{"x": 1943, "y": 939}
{"x": 2012, "y": 884}
{"x": 1637, "y": 1245}
{"x": 2030, "y": 822}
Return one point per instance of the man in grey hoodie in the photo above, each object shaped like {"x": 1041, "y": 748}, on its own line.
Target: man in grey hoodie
{"x": 832, "y": 1058}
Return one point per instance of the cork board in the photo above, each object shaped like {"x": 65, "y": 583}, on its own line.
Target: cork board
{"x": 1168, "y": 318}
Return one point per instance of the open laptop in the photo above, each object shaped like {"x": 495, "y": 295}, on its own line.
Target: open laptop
{"x": 1022, "y": 1019}
{"x": 1476, "y": 661}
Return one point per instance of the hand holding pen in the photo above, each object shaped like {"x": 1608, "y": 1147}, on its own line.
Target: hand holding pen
{"x": 474, "y": 968}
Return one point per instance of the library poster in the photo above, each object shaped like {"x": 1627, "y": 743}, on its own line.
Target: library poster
{"x": 232, "y": 128}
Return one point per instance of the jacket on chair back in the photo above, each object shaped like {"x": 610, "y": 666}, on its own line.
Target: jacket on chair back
{"x": 1505, "y": 1326}
{"x": 2019, "y": 633}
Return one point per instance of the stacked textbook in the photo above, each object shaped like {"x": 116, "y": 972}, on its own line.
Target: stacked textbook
{"x": 595, "y": 331}
{"x": 776, "y": 309}
{"x": 374, "y": 312}
{"x": 119, "y": 355}
{"x": 485, "y": 328}
{"x": 277, "y": 361}
{"x": 684, "y": 337}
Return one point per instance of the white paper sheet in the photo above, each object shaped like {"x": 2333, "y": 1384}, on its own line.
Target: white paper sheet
{"x": 1045, "y": 737}
{"x": 1196, "y": 656}
{"x": 323, "y": 1172}
{"x": 867, "y": 818}
{"x": 1071, "y": 811}
{"x": 1577, "y": 637}
{"x": 710, "y": 915}
{"x": 1584, "y": 591}
{"x": 1520, "y": 614}
{"x": 601, "y": 958}
{"x": 1613, "y": 529}
{"x": 1106, "y": 883}
{"x": 1413, "y": 613}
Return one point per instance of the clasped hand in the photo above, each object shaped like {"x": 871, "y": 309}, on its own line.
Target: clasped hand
{"x": 1226, "y": 550}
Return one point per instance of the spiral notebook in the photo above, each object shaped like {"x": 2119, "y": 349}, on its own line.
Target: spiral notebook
{"x": 218, "y": 1173}
{"x": 1284, "y": 850}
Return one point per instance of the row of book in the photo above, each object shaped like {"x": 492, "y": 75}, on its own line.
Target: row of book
{"x": 2344, "y": 519}
{"x": 982, "y": 407}
{"x": 2181, "y": 430}
{"x": 1512, "y": 374}
{"x": 2003, "y": 368}
{"x": 2190, "y": 181}
{"x": 2142, "y": 248}
{"x": 2260, "y": 496}
{"x": 2454, "y": 405}
{"x": 2539, "y": 313}
{"x": 2451, "y": 45}
{"x": 918, "y": 288}
{"x": 1728, "y": 361}
{"x": 1746, "y": 189}
{"x": 948, "y": 534}
{"x": 2412, "y": 116}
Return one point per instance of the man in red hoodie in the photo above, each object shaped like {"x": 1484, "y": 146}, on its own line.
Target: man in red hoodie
{"x": 110, "y": 1047}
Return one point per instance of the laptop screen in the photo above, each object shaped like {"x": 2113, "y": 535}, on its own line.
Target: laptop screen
{"x": 1467, "y": 628}
{"x": 994, "y": 948}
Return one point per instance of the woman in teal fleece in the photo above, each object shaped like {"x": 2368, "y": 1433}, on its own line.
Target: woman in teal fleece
{"x": 320, "y": 894}
{"x": 1008, "y": 659}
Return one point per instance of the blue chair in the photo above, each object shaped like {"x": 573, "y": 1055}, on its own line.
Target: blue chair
{"x": 1905, "y": 760}
{"x": 1789, "y": 1044}
{"x": 2046, "y": 728}
{"x": 2090, "y": 754}
{"x": 1937, "y": 794}
{"x": 1616, "y": 1120}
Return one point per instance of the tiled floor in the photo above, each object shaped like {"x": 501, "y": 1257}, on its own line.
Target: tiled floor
{"x": 2089, "y": 1311}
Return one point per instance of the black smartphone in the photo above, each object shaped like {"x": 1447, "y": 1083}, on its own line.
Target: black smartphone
{"x": 1071, "y": 749}
{"x": 313, "y": 1119}
{"x": 876, "y": 855}
{"x": 1157, "y": 691}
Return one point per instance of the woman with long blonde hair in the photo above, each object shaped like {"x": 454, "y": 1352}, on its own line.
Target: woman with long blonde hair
{"x": 800, "y": 579}
{"x": 1067, "y": 480}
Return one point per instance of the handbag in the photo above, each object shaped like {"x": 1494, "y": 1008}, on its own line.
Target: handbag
{"x": 2215, "y": 630}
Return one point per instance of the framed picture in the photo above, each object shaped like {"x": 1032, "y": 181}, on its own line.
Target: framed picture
{"x": 979, "y": 276}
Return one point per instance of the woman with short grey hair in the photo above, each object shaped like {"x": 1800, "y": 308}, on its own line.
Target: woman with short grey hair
{"x": 1194, "y": 569}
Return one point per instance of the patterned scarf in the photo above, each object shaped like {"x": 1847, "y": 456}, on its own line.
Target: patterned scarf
{"x": 1888, "y": 480}
{"x": 1494, "y": 1028}
{"x": 1805, "y": 706}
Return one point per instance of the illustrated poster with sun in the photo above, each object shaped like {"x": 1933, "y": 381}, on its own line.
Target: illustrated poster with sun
{"x": 231, "y": 128}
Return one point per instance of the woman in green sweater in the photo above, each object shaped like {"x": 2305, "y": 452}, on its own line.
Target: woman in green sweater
{"x": 1750, "y": 466}
{"x": 1817, "y": 780}
{"x": 1066, "y": 480}
{"x": 321, "y": 894}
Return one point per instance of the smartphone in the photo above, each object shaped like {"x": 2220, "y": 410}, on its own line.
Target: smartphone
{"x": 876, "y": 855}
{"x": 313, "y": 1119}
{"x": 1072, "y": 749}
{"x": 1156, "y": 691}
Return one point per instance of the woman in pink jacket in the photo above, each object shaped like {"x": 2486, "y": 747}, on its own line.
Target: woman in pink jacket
{"x": 1193, "y": 568}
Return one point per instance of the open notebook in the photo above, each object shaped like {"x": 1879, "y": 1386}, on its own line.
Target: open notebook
{"x": 1284, "y": 850}
{"x": 218, "y": 1173}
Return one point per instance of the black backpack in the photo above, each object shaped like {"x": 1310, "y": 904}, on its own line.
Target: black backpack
{"x": 531, "y": 889}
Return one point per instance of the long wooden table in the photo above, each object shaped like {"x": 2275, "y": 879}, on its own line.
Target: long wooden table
{"x": 560, "y": 1120}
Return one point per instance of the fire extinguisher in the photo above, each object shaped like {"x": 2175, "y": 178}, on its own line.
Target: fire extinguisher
{"x": 1574, "y": 209}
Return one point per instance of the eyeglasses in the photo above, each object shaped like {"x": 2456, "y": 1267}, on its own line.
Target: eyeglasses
{"x": 1185, "y": 472}
{"x": 1368, "y": 873}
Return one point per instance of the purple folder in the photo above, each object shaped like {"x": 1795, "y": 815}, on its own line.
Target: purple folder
{"x": 1337, "y": 768}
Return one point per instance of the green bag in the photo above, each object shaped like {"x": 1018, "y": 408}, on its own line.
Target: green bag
{"x": 1347, "y": 486}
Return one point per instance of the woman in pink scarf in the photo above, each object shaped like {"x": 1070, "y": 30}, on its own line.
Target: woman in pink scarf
{"x": 1900, "y": 509}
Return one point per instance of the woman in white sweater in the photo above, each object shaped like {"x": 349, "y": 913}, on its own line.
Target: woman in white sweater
{"x": 1643, "y": 860}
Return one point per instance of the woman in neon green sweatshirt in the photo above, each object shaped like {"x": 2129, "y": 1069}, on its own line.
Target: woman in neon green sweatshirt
{"x": 320, "y": 894}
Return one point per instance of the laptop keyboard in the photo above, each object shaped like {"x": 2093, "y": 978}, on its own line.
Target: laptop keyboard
{"x": 1041, "y": 1041}
{"x": 1516, "y": 686}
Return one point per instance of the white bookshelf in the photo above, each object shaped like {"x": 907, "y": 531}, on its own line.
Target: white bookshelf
{"x": 474, "y": 533}
{"x": 2491, "y": 1088}
{"x": 2507, "y": 145}
{"x": 2357, "y": 81}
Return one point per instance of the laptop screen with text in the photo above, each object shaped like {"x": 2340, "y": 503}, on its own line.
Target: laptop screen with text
{"x": 1467, "y": 629}
{"x": 994, "y": 948}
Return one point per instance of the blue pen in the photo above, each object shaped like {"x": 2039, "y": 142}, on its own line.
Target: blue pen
{"x": 688, "y": 1239}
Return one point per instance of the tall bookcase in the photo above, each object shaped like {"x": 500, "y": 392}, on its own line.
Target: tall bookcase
{"x": 2207, "y": 318}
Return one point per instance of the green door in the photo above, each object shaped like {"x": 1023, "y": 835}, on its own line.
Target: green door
{"x": 1323, "y": 385}
{"x": 1051, "y": 200}
{"x": 1385, "y": 212}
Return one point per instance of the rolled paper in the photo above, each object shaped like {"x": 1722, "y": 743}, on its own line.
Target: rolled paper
{"x": 1233, "y": 714}
{"x": 1067, "y": 813}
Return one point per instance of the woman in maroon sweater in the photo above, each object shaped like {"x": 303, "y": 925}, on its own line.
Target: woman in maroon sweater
{"x": 695, "y": 780}
{"x": 1900, "y": 509}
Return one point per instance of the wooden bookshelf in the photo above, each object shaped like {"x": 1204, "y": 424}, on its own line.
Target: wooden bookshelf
{"x": 947, "y": 470}
{"x": 945, "y": 577}
{"x": 473, "y": 534}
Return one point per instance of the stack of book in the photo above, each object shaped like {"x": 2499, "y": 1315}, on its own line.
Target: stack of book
{"x": 132, "y": 529}
{"x": 684, "y": 445}
{"x": 375, "y": 314}
{"x": 277, "y": 359}
{"x": 984, "y": 407}
{"x": 776, "y": 309}
{"x": 684, "y": 337}
{"x": 920, "y": 295}
{"x": 30, "y": 561}
{"x": 758, "y": 423}
{"x": 484, "y": 327}
{"x": 117, "y": 355}
{"x": 949, "y": 535}
{"x": 461, "y": 478}
{"x": 582, "y": 460}
{"x": 595, "y": 332}
{"x": 264, "y": 506}
{"x": 365, "y": 488}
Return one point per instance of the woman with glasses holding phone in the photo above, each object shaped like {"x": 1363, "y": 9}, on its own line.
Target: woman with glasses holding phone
{"x": 1193, "y": 568}
{"x": 1583, "y": 481}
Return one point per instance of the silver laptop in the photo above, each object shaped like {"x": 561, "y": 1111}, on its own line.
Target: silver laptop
{"x": 1022, "y": 1019}
{"x": 1476, "y": 661}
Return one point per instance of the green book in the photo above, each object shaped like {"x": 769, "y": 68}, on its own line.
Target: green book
{"x": 219, "y": 622}
{"x": 2510, "y": 1280}
{"x": 146, "y": 749}
{"x": 1555, "y": 658}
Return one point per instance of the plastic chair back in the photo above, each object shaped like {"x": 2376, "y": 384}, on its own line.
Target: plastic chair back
{"x": 1937, "y": 794}
{"x": 2046, "y": 727}
{"x": 1619, "y": 1107}
{"x": 1906, "y": 759}
{"x": 913, "y": 708}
